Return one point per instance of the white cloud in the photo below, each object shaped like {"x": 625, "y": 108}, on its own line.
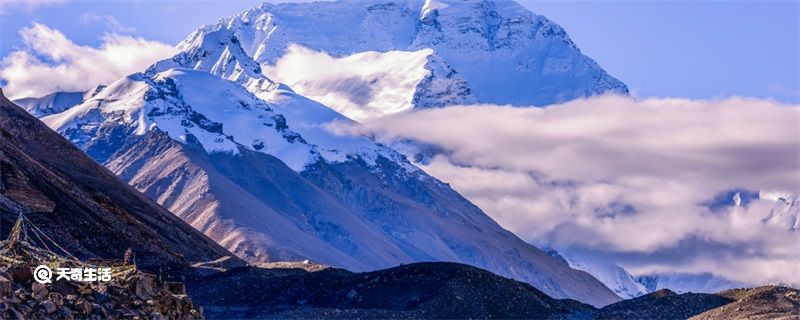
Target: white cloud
{"x": 360, "y": 86}
{"x": 51, "y": 62}
{"x": 109, "y": 21}
{"x": 629, "y": 178}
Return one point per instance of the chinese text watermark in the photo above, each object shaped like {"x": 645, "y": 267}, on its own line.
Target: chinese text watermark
{"x": 43, "y": 274}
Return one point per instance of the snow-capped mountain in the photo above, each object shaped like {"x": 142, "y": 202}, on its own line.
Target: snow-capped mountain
{"x": 628, "y": 286}
{"x": 414, "y": 53}
{"x": 783, "y": 210}
{"x": 682, "y": 283}
{"x": 612, "y": 275}
{"x": 786, "y": 211}
{"x": 262, "y": 175}
{"x": 55, "y": 102}
{"x": 609, "y": 273}
{"x": 219, "y": 53}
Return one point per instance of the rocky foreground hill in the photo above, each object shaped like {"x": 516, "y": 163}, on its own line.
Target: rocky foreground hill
{"x": 420, "y": 290}
{"x": 768, "y": 302}
{"x": 449, "y": 290}
{"x": 137, "y": 295}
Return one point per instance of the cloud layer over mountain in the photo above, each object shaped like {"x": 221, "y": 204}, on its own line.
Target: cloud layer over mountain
{"x": 634, "y": 179}
{"x": 51, "y": 62}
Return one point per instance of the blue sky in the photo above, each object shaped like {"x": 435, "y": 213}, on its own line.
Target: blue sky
{"x": 706, "y": 49}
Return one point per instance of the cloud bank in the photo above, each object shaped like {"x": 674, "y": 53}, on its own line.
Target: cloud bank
{"x": 631, "y": 179}
{"x": 51, "y": 62}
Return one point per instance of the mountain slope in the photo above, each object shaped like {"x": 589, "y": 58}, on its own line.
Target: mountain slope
{"x": 451, "y": 52}
{"x": 269, "y": 182}
{"x": 88, "y": 210}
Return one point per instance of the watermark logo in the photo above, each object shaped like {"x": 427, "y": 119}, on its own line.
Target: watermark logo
{"x": 43, "y": 275}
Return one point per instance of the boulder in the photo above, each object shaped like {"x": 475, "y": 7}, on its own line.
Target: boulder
{"x": 49, "y": 306}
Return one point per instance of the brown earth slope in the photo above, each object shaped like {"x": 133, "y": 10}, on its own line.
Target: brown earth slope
{"x": 83, "y": 206}
{"x": 768, "y": 302}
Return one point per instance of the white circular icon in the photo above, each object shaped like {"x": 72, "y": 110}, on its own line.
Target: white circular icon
{"x": 42, "y": 274}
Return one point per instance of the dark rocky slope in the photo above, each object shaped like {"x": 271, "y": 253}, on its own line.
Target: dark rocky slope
{"x": 662, "y": 304}
{"x": 421, "y": 290}
{"x": 86, "y": 208}
{"x": 440, "y": 290}
{"x": 767, "y": 302}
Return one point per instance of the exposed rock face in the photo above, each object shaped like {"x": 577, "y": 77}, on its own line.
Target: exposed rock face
{"x": 420, "y": 290}
{"x": 219, "y": 53}
{"x": 443, "y": 86}
{"x": 90, "y": 212}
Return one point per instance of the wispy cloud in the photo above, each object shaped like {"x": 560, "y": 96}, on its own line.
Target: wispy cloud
{"x": 626, "y": 177}
{"x": 113, "y": 25}
{"x": 51, "y": 62}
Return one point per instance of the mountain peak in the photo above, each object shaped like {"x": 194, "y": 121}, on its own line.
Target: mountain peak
{"x": 218, "y": 52}
{"x": 493, "y": 52}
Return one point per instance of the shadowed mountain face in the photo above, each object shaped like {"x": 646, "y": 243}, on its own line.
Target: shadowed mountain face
{"x": 83, "y": 206}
